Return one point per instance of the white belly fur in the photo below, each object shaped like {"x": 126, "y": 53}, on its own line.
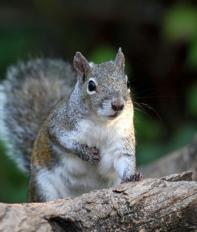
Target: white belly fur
{"x": 75, "y": 176}
{"x": 107, "y": 138}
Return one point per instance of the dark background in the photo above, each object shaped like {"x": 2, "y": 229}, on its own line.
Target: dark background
{"x": 159, "y": 39}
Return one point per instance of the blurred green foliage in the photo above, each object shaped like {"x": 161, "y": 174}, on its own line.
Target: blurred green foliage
{"x": 102, "y": 54}
{"x": 13, "y": 183}
{"x": 192, "y": 100}
{"x": 160, "y": 44}
{"x": 192, "y": 56}
{"x": 180, "y": 22}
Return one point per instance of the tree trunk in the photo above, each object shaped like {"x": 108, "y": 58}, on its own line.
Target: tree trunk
{"x": 165, "y": 204}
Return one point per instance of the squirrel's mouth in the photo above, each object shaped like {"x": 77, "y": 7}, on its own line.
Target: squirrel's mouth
{"x": 111, "y": 116}
{"x": 114, "y": 115}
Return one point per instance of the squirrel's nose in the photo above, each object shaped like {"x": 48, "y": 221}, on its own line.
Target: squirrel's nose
{"x": 117, "y": 105}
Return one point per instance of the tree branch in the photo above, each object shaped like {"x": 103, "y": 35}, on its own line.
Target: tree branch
{"x": 165, "y": 204}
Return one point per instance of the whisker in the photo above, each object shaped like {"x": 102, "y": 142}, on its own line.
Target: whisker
{"x": 142, "y": 107}
{"x": 159, "y": 97}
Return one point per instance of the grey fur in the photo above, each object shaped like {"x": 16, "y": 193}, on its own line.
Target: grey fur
{"x": 31, "y": 90}
{"x": 66, "y": 139}
{"x": 80, "y": 105}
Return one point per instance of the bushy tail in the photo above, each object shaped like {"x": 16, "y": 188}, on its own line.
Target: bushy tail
{"x": 28, "y": 93}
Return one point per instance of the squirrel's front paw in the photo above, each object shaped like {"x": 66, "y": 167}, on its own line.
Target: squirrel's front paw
{"x": 135, "y": 177}
{"x": 91, "y": 154}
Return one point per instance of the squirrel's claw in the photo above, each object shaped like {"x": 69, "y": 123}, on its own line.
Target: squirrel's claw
{"x": 136, "y": 177}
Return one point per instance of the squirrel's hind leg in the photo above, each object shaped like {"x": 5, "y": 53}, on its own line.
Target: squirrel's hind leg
{"x": 47, "y": 186}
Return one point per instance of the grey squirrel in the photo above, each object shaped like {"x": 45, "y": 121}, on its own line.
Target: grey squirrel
{"x": 70, "y": 138}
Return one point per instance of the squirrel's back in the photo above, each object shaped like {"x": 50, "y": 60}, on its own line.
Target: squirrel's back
{"x": 28, "y": 93}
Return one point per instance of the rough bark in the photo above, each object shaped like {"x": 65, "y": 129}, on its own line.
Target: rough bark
{"x": 179, "y": 161}
{"x": 165, "y": 204}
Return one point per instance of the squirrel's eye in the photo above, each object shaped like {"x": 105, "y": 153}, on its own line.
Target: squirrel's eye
{"x": 91, "y": 86}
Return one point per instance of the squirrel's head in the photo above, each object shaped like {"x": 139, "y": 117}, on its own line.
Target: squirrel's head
{"x": 103, "y": 87}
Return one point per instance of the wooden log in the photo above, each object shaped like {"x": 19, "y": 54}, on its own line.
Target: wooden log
{"x": 165, "y": 204}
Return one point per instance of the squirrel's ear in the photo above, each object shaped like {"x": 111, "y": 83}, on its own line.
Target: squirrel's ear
{"x": 120, "y": 60}
{"x": 81, "y": 64}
